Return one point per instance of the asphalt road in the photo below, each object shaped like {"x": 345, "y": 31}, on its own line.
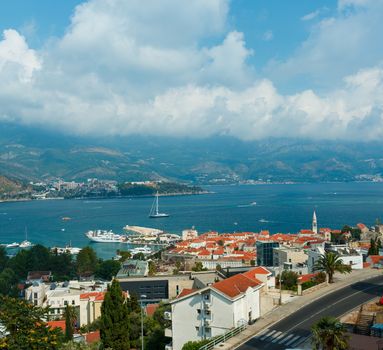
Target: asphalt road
{"x": 295, "y": 329}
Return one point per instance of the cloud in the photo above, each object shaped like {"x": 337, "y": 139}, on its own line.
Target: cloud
{"x": 310, "y": 15}
{"x": 268, "y": 35}
{"x": 336, "y": 46}
{"x": 122, "y": 69}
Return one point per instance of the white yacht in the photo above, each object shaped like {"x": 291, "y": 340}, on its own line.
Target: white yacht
{"x": 144, "y": 250}
{"x": 25, "y": 244}
{"x": 154, "y": 212}
{"x": 12, "y": 245}
{"x": 104, "y": 236}
{"x": 68, "y": 249}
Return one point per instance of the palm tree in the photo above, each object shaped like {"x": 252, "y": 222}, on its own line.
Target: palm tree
{"x": 331, "y": 262}
{"x": 329, "y": 334}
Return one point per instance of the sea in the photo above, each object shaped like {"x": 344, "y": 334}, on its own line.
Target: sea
{"x": 283, "y": 208}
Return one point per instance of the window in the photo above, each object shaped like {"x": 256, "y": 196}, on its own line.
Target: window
{"x": 35, "y": 302}
{"x": 207, "y": 312}
{"x": 199, "y": 311}
{"x": 73, "y": 302}
{"x": 206, "y": 297}
{"x": 177, "y": 289}
{"x": 35, "y": 295}
{"x": 65, "y": 302}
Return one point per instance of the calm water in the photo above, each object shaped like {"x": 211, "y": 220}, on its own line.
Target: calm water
{"x": 278, "y": 208}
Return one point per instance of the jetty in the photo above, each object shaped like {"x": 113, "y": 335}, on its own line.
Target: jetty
{"x": 144, "y": 231}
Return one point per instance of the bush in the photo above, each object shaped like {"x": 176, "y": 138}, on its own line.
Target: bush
{"x": 195, "y": 345}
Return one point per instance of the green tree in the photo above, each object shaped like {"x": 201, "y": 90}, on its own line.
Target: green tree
{"x": 198, "y": 267}
{"x": 86, "y": 262}
{"x": 156, "y": 339}
{"x": 195, "y": 345}
{"x": 3, "y": 258}
{"x": 139, "y": 256}
{"x": 329, "y": 334}
{"x": 70, "y": 316}
{"x": 152, "y": 268}
{"x": 289, "y": 280}
{"x": 330, "y": 263}
{"x": 38, "y": 258}
{"x": 114, "y": 322}
{"x": 27, "y": 330}
{"x": 133, "y": 304}
{"x": 108, "y": 269}
{"x": 8, "y": 282}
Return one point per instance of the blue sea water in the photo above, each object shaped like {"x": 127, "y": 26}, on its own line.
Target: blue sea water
{"x": 278, "y": 208}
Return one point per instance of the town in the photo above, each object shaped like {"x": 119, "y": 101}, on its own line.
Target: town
{"x": 227, "y": 284}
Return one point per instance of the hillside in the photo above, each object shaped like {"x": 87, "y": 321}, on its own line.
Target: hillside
{"x": 8, "y": 186}
{"x": 34, "y": 154}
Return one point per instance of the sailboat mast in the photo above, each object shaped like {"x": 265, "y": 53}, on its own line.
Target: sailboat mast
{"x": 157, "y": 203}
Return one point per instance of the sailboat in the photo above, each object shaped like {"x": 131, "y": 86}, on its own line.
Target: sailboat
{"x": 25, "y": 243}
{"x": 154, "y": 213}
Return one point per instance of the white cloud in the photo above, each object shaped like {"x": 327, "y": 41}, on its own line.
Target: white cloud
{"x": 268, "y": 35}
{"x": 310, "y": 15}
{"x": 124, "y": 69}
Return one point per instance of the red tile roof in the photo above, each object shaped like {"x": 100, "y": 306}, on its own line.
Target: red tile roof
{"x": 98, "y": 296}
{"x": 57, "y": 324}
{"x": 92, "y": 337}
{"x": 151, "y": 308}
{"x": 236, "y": 285}
{"x": 306, "y": 278}
{"x": 375, "y": 259}
{"x": 185, "y": 291}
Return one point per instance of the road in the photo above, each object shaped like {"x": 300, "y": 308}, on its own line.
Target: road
{"x": 295, "y": 329}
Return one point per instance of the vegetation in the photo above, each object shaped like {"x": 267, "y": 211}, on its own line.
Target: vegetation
{"x": 195, "y": 345}
{"x": 198, "y": 267}
{"x": 70, "y": 319}
{"x": 330, "y": 263}
{"x": 289, "y": 280}
{"x": 114, "y": 321}
{"x": 63, "y": 266}
{"x": 375, "y": 246}
{"x": 329, "y": 334}
{"x": 355, "y": 232}
{"x": 129, "y": 189}
{"x": 26, "y": 327}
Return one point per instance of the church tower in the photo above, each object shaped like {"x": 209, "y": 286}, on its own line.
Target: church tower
{"x": 315, "y": 226}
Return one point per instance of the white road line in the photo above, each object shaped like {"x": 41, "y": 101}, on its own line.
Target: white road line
{"x": 299, "y": 341}
{"x": 268, "y": 335}
{"x": 281, "y": 335}
{"x": 261, "y": 333}
{"x": 277, "y": 334}
{"x": 286, "y": 339}
{"x": 293, "y": 340}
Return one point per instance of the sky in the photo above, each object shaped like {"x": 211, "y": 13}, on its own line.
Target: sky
{"x": 250, "y": 69}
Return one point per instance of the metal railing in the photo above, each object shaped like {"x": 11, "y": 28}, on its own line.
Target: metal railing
{"x": 222, "y": 338}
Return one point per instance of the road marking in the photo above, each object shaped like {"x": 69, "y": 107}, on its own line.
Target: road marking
{"x": 261, "y": 333}
{"x": 299, "y": 341}
{"x": 278, "y": 337}
{"x": 293, "y": 340}
{"x": 331, "y": 305}
{"x": 286, "y": 339}
{"x": 275, "y": 335}
{"x": 267, "y": 335}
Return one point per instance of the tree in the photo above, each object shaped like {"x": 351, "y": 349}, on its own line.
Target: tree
{"x": 195, "y": 345}
{"x": 330, "y": 263}
{"x": 70, "y": 319}
{"x": 139, "y": 256}
{"x": 152, "y": 268}
{"x": 289, "y": 280}
{"x": 3, "y": 258}
{"x": 108, "y": 269}
{"x": 86, "y": 262}
{"x": 26, "y": 327}
{"x": 329, "y": 334}
{"x": 8, "y": 282}
{"x": 198, "y": 267}
{"x": 114, "y": 322}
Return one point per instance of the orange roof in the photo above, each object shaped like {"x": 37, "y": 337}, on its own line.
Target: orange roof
{"x": 92, "y": 337}
{"x": 366, "y": 265}
{"x": 236, "y": 285}
{"x": 375, "y": 259}
{"x": 259, "y": 270}
{"x": 97, "y": 296}
{"x": 204, "y": 252}
{"x": 57, "y": 324}
{"x": 307, "y": 232}
{"x": 151, "y": 308}
{"x": 361, "y": 226}
{"x": 306, "y": 278}
{"x": 264, "y": 233}
{"x": 185, "y": 291}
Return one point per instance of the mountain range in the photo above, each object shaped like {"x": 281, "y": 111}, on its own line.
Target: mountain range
{"x": 32, "y": 154}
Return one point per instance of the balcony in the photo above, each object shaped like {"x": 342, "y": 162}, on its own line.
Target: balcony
{"x": 169, "y": 346}
{"x": 168, "y": 332}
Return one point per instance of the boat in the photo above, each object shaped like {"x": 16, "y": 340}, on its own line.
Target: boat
{"x": 144, "y": 250}
{"x": 154, "y": 211}
{"x": 68, "y": 249}
{"x": 104, "y": 236}
{"x": 25, "y": 243}
{"x": 12, "y": 245}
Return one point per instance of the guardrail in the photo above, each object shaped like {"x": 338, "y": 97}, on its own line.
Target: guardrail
{"x": 222, "y": 338}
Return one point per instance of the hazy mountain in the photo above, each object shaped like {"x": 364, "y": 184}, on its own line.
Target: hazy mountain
{"x": 28, "y": 153}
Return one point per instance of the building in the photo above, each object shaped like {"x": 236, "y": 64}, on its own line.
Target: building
{"x": 189, "y": 234}
{"x": 90, "y": 307}
{"x": 289, "y": 256}
{"x": 265, "y": 252}
{"x": 133, "y": 268}
{"x": 349, "y": 256}
{"x": 214, "y": 310}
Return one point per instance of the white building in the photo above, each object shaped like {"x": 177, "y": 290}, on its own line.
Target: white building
{"x": 349, "y": 256}
{"x": 211, "y": 311}
{"x": 189, "y": 234}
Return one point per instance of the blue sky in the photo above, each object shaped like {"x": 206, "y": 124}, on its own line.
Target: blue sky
{"x": 247, "y": 68}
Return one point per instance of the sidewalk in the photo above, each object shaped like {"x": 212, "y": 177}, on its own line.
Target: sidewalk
{"x": 297, "y": 303}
